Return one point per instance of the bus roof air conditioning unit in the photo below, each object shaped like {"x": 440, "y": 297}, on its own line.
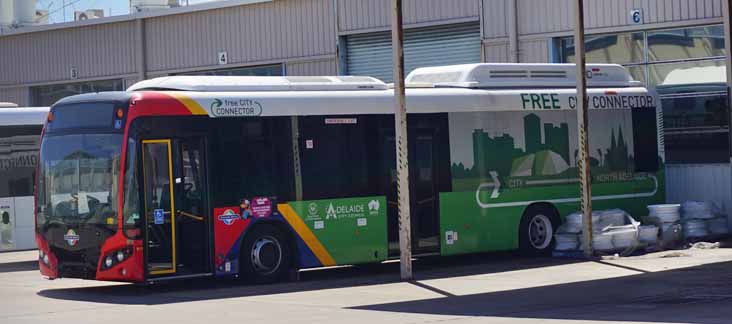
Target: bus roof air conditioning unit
{"x": 88, "y": 14}
{"x": 147, "y": 5}
{"x": 500, "y": 75}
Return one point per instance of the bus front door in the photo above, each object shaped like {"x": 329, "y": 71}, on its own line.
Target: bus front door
{"x": 160, "y": 215}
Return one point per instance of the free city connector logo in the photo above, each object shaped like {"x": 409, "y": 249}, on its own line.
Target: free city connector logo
{"x": 71, "y": 237}
{"x": 235, "y": 108}
{"x": 229, "y": 217}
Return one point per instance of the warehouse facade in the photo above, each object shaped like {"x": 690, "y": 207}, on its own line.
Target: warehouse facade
{"x": 306, "y": 37}
{"x": 652, "y": 38}
{"x": 665, "y": 43}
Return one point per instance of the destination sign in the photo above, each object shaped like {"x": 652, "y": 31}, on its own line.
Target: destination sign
{"x": 537, "y": 101}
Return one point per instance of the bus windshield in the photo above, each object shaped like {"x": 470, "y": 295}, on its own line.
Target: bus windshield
{"x": 78, "y": 180}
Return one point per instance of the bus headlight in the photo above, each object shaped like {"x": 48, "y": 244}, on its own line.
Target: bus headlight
{"x": 45, "y": 258}
{"x": 116, "y": 257}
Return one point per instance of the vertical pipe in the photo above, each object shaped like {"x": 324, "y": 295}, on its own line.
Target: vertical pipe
{"x": 295, "y": 129}
{"x": 513, "y": 35}
{"x": 727, "y": 16}
{"x": 582, "y": 120}
{"x": 481, "y": 18}
{"x": 400, "y": 124}
{"x": 141, "y": 49}
{"x": 339, "y": 48}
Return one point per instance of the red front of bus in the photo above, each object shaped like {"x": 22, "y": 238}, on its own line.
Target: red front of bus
{"x": 81, "y": 231}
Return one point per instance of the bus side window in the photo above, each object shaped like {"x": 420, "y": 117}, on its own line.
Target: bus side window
{"x": 645, "y": 140}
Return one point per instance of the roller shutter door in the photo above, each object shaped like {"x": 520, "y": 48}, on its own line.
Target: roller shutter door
{"x": 370, "y": 54}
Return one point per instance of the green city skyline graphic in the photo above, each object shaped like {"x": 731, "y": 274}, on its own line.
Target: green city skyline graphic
{"x": 538, "y": 158}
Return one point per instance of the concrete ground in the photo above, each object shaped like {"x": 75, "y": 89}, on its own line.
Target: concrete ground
{"x": 691, "y": 286}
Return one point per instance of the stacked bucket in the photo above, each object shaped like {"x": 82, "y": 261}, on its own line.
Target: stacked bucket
{"x": 668, "y": 219}
{"x": 703, "y": 219}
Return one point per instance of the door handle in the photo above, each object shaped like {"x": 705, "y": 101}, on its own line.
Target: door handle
{"x": 189, "y": 215}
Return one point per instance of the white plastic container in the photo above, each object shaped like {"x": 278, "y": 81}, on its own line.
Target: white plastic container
{"x": 612, "y": 217}
{"x": 575, "y": 219}
{"x": 666, "y": 213}
{"x": 602, "y": 242}
{"x": 695, "y": 228}
{"x": 648, "y": 234}
{"x": 567, "y": 242}
{"x": 697, "y": 210}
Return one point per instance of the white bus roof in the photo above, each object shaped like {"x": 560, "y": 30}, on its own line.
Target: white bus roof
{"x": 420, "y": 100}
{"x": 481, "y": 75}
{"x": 469, "y": 87}
{"x": 23, "y": 116}
{"x": 259, "y": 83}
{"x": 696, "y": 75}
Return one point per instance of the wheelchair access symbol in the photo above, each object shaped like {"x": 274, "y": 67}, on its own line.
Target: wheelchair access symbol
{"x": 159, "y": 216}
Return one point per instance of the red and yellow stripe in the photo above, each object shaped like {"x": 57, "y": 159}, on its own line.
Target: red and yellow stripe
{"x": 189, "y": 103}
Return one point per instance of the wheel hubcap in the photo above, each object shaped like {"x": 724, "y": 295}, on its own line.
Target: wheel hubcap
{"x": 540, "y": 232}
{"x": 266, "y": 255}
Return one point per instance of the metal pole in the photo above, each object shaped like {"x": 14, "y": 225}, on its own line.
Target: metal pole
{"x": 584, "y": 161}
{"x": 727, "y": 16}
{"x": 400, "y": 125}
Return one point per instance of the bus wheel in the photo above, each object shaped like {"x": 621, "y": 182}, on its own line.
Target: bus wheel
{"x": 265, "y": 254}
{"x": 536, "y": 232}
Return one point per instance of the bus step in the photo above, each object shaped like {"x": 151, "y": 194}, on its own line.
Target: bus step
{"x": 196, "y": 275}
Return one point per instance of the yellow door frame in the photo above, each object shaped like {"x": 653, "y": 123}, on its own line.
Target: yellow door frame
{"x": 168, "y": 142}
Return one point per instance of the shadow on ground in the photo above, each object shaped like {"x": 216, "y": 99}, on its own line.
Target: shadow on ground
{"x": 19, "y": 266}
{"x": 684, "y": 295}
{"x": 701, "y": 294}
{"x": 209, "y": 288}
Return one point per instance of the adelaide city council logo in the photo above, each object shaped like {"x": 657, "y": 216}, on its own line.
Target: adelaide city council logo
{"x": 71, "y": 237}
{"x": 313, "y": 209}
{"x": 229, "y": 217}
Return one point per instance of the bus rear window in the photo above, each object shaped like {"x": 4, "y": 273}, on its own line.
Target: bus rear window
{"x": 85, "y": 115}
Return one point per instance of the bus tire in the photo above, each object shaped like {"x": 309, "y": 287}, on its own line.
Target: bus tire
{"x": 266, "y": 254}
{"x": 536, "y": 231}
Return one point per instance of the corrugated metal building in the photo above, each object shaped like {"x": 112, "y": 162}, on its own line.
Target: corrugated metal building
{"x": 314, "y": 37}
{"x": 652, "y": 38}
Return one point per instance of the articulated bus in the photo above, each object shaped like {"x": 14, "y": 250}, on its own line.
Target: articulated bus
{"x": 188, "y": 176}
{"x": 20, "y": 140}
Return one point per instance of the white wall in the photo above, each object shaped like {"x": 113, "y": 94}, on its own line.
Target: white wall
{"x": 702, "y": 182}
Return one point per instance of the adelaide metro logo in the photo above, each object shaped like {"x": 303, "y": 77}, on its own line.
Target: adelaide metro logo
{"x": 71, "y": 237}
{"x": 229, "y": 217}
